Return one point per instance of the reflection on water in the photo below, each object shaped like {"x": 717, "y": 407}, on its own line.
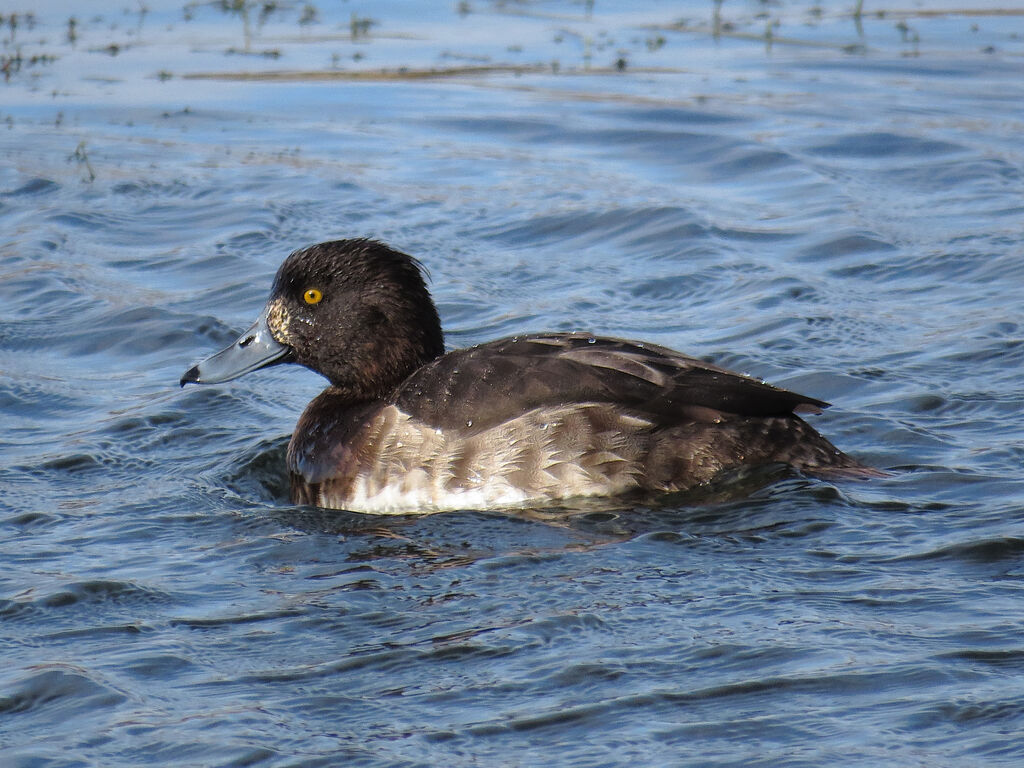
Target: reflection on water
{"x": 830, "y": 202}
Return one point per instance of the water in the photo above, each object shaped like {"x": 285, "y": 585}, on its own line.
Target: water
{"x": 837, "y": 209}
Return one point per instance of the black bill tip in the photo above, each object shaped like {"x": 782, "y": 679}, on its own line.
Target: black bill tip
{"x": 191, "y": 376}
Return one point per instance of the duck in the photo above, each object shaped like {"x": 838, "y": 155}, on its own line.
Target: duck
{"x": 406, "y": 426}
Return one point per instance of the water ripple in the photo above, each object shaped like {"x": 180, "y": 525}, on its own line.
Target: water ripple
{"x": 835, "y": 207}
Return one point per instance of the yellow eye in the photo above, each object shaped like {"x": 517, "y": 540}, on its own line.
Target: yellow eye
{"x": 312, "y": 296}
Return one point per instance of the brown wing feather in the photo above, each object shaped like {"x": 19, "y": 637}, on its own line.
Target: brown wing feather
{"x": 481, "y": 386}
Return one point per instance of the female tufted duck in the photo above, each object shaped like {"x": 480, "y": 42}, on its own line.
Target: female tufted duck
{"x": 527, "y": 420}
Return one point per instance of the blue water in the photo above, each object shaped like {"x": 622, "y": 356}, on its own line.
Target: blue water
{"x": 837, "y": 208}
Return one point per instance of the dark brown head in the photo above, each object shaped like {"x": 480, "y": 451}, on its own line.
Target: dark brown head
{"x": 355, "y": 311}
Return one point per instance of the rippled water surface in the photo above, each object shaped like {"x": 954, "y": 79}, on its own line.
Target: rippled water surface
{"x": 834, "y": 204}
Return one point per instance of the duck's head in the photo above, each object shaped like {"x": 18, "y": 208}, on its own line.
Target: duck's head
{"x": 355, "y": 311}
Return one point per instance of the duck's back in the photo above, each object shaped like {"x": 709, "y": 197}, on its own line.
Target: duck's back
{"x": 532, "y": 419}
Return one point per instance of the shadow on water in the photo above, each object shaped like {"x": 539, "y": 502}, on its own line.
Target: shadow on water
{"x": 260, "y": 473}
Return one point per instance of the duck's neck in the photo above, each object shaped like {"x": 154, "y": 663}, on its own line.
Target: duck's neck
{"x": 383, "y": 363}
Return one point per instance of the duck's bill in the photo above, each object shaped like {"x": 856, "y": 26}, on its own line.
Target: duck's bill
{"x": 254, "y": 349}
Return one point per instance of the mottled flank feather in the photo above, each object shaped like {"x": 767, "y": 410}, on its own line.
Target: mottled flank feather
{"x": 404, "y": 464}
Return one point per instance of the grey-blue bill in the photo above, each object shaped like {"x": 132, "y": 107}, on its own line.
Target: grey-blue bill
{"x": 256, "y": 348}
